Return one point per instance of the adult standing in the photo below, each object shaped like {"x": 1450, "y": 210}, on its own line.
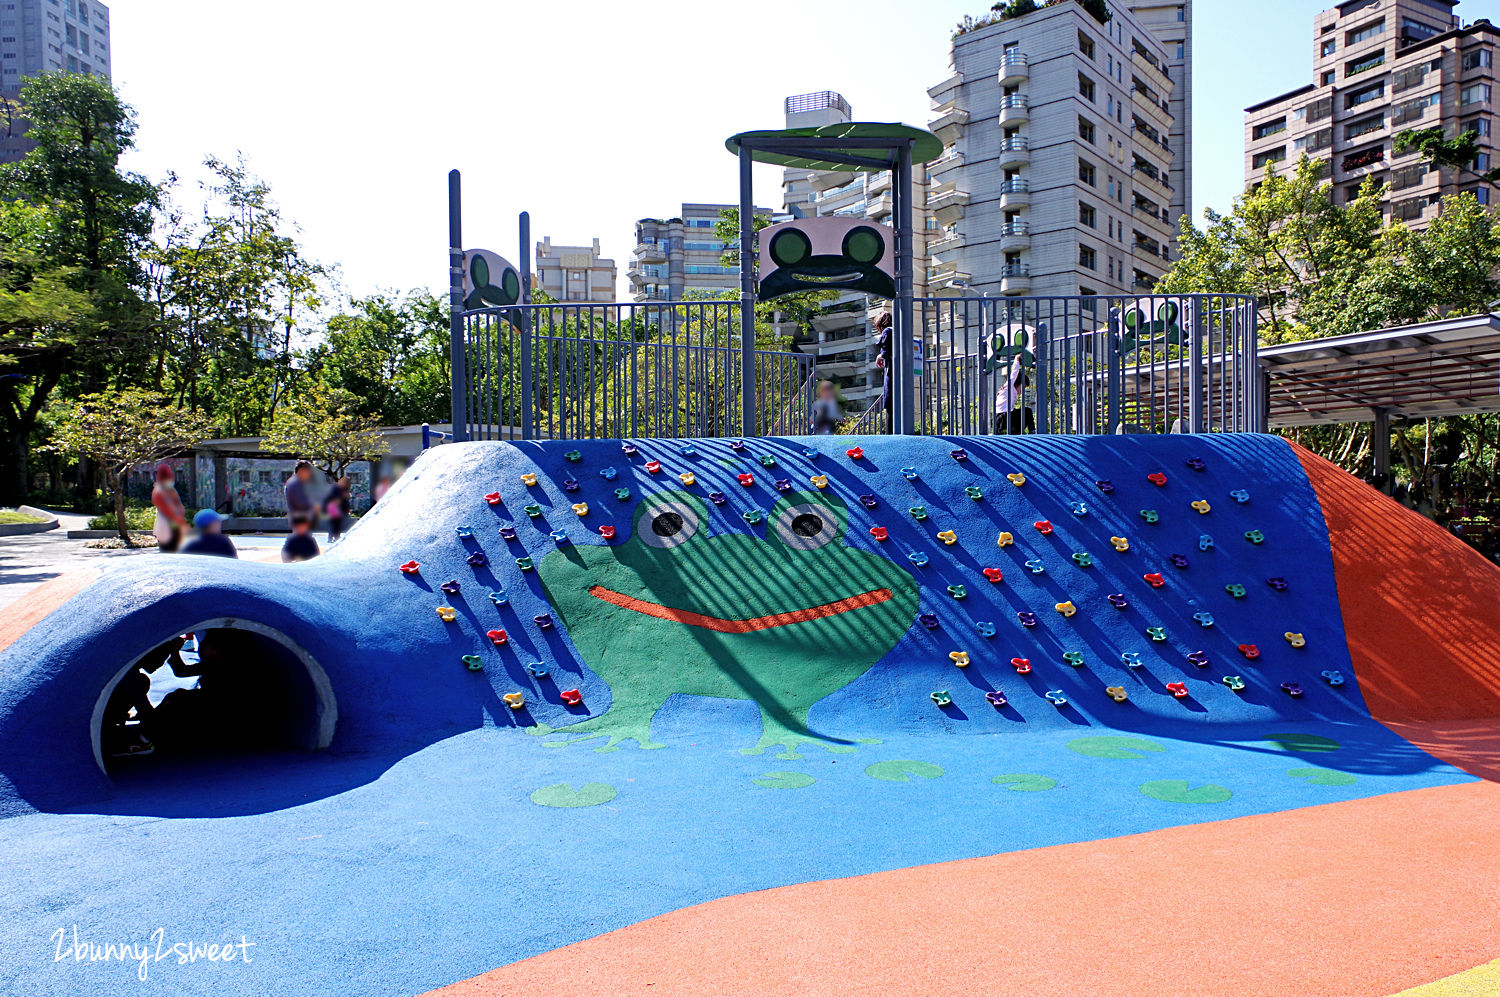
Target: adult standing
{"x": 336, "y": 507}
{"x": 883, "y": 360}
{"x": 171, "y": 517}
{"x": 298, "y": 500}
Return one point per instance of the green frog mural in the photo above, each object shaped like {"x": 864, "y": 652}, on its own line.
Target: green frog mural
{"x": 783, "y": 621}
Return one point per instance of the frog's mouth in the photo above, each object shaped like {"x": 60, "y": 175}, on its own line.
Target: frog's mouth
{"x": 874, "y": 597}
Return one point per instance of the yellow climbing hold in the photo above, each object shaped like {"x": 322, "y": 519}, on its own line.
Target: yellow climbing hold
{"x": 687, "y": 478}
{"x": 1120, "y": 544}
{"x": 515, "y": 700}
{"x": 1117, "y": 693}
{"x": 1202, "y": 506}
{"x": 582, "y": 508}
{"x": 1066, "y": 608}
{"x": 1005, "y": 540}
{"x": 1016, "y": 479}
{"x": 448, "y": 613}
{"x": 1296, "y": 640}
{"x": 528, "y": 479}
{"x": 819, "y": 480}
{"x": 959, "y": 658}
{"x": 948, "y": 537}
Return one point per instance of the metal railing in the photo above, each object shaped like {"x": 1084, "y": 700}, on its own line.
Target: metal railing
{"x": 1016, "y": 100}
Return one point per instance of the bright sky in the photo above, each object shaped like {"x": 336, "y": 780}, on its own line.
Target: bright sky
{"x": 588, "y": 114}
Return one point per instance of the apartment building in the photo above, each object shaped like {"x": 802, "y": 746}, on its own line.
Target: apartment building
{"x": 42, "y": 36}
{"x": 675, "y": 256}
{"x": 1066, "y": 165}
{"x": 1381, "y": 67}
{"x": 841, "y": 336}
{"x": 574, "y": 273}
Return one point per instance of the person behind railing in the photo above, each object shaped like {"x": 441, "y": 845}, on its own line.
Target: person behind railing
{"x": 827, "y": 413}
{"x": 1013, "y": 417}
{"x": 883, "y": 359}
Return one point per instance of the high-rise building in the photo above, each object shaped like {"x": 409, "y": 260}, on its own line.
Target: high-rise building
{"x": 841, "y": 336}
{"x": 574, "y": 273}
{"x": 674, "y": 256}
{"x": 1381, "y": 67}
{"x": 42, "y": 36}
{"x": 1066, "y": 163}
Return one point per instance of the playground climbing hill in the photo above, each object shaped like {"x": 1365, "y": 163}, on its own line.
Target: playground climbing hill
{"x": 590, "y": 683}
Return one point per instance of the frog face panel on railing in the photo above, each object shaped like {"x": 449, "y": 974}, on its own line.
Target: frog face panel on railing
{"x": 1007, "y": 348}
{"x": 1139, "y": 330}
{"x": 489, "y": 280}
{"x": 810, "y": 254}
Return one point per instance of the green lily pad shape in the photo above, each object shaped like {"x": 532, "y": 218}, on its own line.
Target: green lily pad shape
{"x": 1024, "y": 782}
{"x": 900, "y": 770}
{"x": 1177, "y": 791}
{"x": 1113, "y": 747}
{"x": 784, "y": 780}
{"x": 590, "y": 794}
{"x": 1322, "y": 777}
{"x": 1303, "y": 743}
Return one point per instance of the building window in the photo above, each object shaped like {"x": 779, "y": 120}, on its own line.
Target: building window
{"x": 1181, "y": 14}
{"x": 1088, "y": 258}
{"x": 1328, "y": 77}
{"x": 1086, "y": 87}
{"x": 1405, "y": 79}
{"x": 244, "y": 477}
{"x": 1478, "y": 93}
{"x": 1085, "y": 129}
{"x": 1364, "y": 126}
{"x": 1270, "y": 128}
{"x": 1479, "y": 58}
{"x": 1416, "y": 31}
{"x": 1087, "y": 173}
{"x": 1408, "y": 176}
{"x": 1409, "y": 210}
{"x": 1330, "y": 46}
{"x": 1365, "y": 33}
{"x": 1318, "y": 140}
{"x": 265, "y": 477}
{"x": 1320, "y": 109}
{"x": 1262, "y": 159}
{"x": 1482, "y": 195}
{"x": 1364, "y": 65}
{"x": 1479, "y": 126}
{"x": 1087, "y": 215}
{"x": 1085, "y": 44}
{"x": 1412, "y": 110}
{"x": 1181, "y": 48}
{"x": 1355, "y": 98}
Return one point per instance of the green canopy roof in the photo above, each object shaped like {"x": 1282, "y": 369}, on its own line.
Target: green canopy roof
{"x": 810, "y": 155}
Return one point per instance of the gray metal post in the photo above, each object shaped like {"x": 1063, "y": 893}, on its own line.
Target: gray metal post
{"x": 1114, "y": 382}
{"x": 1195, "y": 368}
{"x": 1260, "y": 382}
{"x": 747, "y": 296}
{"x": 1380, "y": 446}
{"x": 528, "y": 410}
{"x": 904, "y": 412}
{"x": 458, "y": 387}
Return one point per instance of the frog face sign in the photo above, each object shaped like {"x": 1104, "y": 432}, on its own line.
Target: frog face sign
{"x": 783, "y": 620}
{"x": 489, "y": 280}
{"x": 1139, "y": 330}
{"x": 1010, "y": 351}
{"x": 809, "y": 254}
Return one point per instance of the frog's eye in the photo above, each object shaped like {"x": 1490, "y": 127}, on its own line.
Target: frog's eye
{"x": 806, "y": 526}
{"x": 667, "y": 523}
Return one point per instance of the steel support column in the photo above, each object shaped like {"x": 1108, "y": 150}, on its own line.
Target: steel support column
{"x": 903, "y": 334}
{"x": 459, "y": 381}
{"x": 749, "y": 422}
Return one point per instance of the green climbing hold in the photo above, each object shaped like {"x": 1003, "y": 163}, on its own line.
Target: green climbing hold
{"x": 784, "y": 780}
{"x": 1177, "y": 791}
{"x": 1024, "y": 782}
{"x": 1322, "y": 777}
{"x": 1302, "y": 743}
{"x": 1113, "y": 747}
{"x": 474, "y": 662}
{"x": 900, "y": 770}
{"x": 590, "y": 794}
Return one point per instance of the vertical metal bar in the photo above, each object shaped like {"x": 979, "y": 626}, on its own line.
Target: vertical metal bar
{"x": 528, "y": 408}
{"x": 902, "y": 346}
{"x": 747, "y": 292}
{"x": 458, "y": 370}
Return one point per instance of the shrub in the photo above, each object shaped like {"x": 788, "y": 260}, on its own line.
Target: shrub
{"x": 138, "y": 518}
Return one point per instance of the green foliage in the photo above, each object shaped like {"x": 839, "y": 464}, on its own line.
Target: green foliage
{"x": 140, "y": 519}
{"x": 120, "y": 429}
{"x": 390, "y": 352}
{"x": 1459, "y": 153}
{"x": 325, "y": 425}
{"x": 14, "y": 517}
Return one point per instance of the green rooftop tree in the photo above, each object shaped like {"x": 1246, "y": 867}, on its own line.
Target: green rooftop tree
{"x": 324, "y": 425}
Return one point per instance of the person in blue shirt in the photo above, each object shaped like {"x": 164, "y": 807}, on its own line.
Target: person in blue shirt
{"x": 209, "y": 539}
{"x": 298, "y": 501}
{"x": 301, "y": 545}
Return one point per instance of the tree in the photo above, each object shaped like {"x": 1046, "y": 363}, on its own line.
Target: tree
{"x": 122, "y": 429}
{"x": 391, "y": 352}
{"x": 796, "y": 309}
{"x": 324, "y": 426}
{"x": 1460, "y": 153}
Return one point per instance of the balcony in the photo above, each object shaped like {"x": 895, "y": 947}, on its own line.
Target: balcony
{"x": 954, "y": 283}
{"x": 946, "y": 242}
{"x": 1014, "y": 110}
{"x": 1157, "y": 179}
{"x": 1014, "y": 68}
{"x": 649, "y": 252}
{"x": 1014, "y": 152}
{"x": 951, "y": 160}
{"x": 947, "y": 202}
{"x": 878, "y": 182}
{"x": 878, "y": 207}
{"x": 1015, "y": 278}
{"x": 1014, "y": 194}
{"x": 949, "y": 124}
{"x": 1015, "y": 236}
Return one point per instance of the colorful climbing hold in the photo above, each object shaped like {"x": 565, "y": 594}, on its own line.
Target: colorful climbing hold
{"x": 985, "y": 629}
{"x": 928, "y": 620}
{"x": 1082, "y": 558}
{"x": 1157, "y": 478}
{"x": 1235, "y": 589}
{"x": 1026, "y": 619}
{"x": 959, "y": 658}
{"x": 1118, "y": 600}
{"x": 995, "y": 698}
{"x": 868, "y": 501}
{"x": 528, "y": 479}
{"x": 746, "y": 479}
{"x": 474, "y": 662}
{"x": 736, "y": 444}
{"x": 1132, "y": 659}
{"x": 1121, "y": 544}
{"x": 1240, "y": 495}
{"x": 909, "y": 473}
{"x": 1066, "y": 608}
{"x": 995, "y": 575}
{"x": 1116, "y": 692}
{"x": 533, "y": 510}
{"x": 622, "y": 494}
{"x": 537, "y": 669}
{"x": 959, "y": 454}
{"x": 478, "y": 559}
{"x": 451, "y": 586}
{"x": 573, "y": 456}
{"x": 1333, "y": 676}
{"x": 447, "y": 613}
{"x": 1279, "y": 584}
{"x": 571, "y": 697}
{"x": 1199, "y": 658}
{"x": 1295, "y": 639}
{"x": 855, "y": 453}
{"x": 958, "y": 591}
{"x": 515, "y": 700}
{"x": 1195, "y": 463}
{"x": 783, "y": 484}
{"x": 525, "y": 563}
{"x": 918, "y": 558}
{"x": 582, "y": 508}
{"x": 1150, "y": 515}
{"x": 493, "y": 498}
{"x": 410, "y": 568}
{"x": 607, "y": 532}
{"x": 497, "y": 637}
{"x": 1178, "y": 561}
{"x": 974, "y": 492}
{"x": 688, "y": 478}
{"x": 752, "y": 517}
{"x": 918, "y": 512}
{"x": 608, "y": 473}
{"x": 717, "y": 498}
{"x": 499, "y": 597}
{"x": 1250, "y": 651}
{"x": 543, "y": 620}
{"x": 879, "y": 532}
{"x": 570, "y": 485}
{"x": 1016, "y": 479}
{"x": 948, "y": 537}
{"x": 1204, "y": 619}
{"x": 1205, "y": 542}
{"x": 1021, "y": 665}
{"x": 1234, "y": 683}
{"x": 766, "y": 460}
{"x": 688, "y": 451}
{"x": 1157, "y": 634}
{"x": 1291, "y": 688}
{"x": 464, "y": 532}
{"x": 1154, "y": 579}
{"x": 1074, "y": 658}
{"x": 1056, "y": 697}
{"x": 558, "y": 537}
{"x": 1255, "y": 536}
{"x": 1036, "y": 566}
{"x": 1178, "y": 689}
{"x": 1105, "y": 486}
{"x": 810, "y": 453}
{"x": 628, "y": 449}
{"x": 942, "y": 698}
{"x": 1043, "y": 527}
{"x": 1202, "y": 507}
{"x": 1005, "y": 540}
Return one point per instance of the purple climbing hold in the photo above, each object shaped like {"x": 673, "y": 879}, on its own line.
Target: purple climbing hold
{"x": 996, "y": 698}
{"x": 1195, "y": 463}
{"x": 451, "y": 587}
{"x": 508, "y": 533}
{"x": 1178, "y": 561}
{"x": 1291, "y": 688}
{"x": 960, "y": 454}
{"x": 717, "y": 498}
{"x": 1118, "y": 600}
{"x": 543, "y": 620}
{"x": 571, "y": 486}
{"x": 1105, "y": 486}
{"x": 868, "y": 501}
{"x": 1199, "y": 658}
{"x": 1027, "y": 620}
{"x": 928, "y": 620}
{"x": 783, "y": 485}
{"x": 478, "y": 559}
{"x": 1279, "y": 584}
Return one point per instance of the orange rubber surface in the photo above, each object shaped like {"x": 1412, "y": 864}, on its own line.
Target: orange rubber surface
{"x": 27, "y": 611}
{"x": 1277, "y": 904}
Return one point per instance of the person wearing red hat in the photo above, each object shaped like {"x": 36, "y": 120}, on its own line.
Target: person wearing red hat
{"x": 171, "y": 517}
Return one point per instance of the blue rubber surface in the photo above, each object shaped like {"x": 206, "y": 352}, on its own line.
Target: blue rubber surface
{"x": 428, "y": 843}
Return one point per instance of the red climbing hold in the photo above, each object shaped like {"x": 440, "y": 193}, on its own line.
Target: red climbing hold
{"x": 493, "y": 498}
{"x": 1043, "y": 527}
{"x": 1178, "y": 689}
{"x": 410, "y": 568}
{"x": 1154, "y": 579}
{"x": 855, "y": 453}
{"x": 653, "y": 467}
{"x": 993, "y": 574}
{"x": 1250, "y": 651}
{"x": 498, "y": 637}
{"x": 747, "y": 479}
{"x": 607, "y": 532}
{"x": 879, "y": 532}
{"x": 1158, "y": 479}
{"x": 1023, "y": 665}
{"x": 572, "y": 697}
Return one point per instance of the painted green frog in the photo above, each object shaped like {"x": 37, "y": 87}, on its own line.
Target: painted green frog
{"x": 784, "y": 621}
